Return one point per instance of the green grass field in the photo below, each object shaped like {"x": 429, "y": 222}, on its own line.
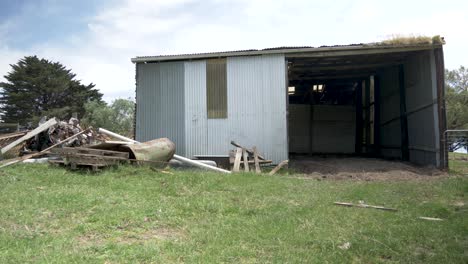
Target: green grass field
{"x": 135, "y": 214}
{"x": 458, "y": 163}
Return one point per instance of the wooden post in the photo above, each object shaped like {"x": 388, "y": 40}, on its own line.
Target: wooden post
{"x": 237, "y": 160}
{"x": 257, "y": 165}
{"x": 246, "y": 160}
{"x": 403, "y": 116}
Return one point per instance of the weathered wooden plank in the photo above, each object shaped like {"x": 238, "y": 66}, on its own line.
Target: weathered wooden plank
{"x": 31, "y": 134}
{"x": 91, "y": 160}
{"x": 12, "y": 135}
{"x": 279, "y": 166}
{"x": 257, "y": 164}
{"x": 246, "y": 160}
{"x": 362, "y": 205}
{"x": 92, "y": 156}
{"x": 91, "y": 152}
{"x": 248, "y": 150}
{"x": 259, "y": 161}
{"x": 237, "y": 160}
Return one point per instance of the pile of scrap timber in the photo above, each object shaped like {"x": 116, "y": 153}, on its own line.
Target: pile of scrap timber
{"x": 48, "y": 133}
{"x": 156, "y": 152}
{"x": 245, "y": 157}
{"x": 66, "y": 143}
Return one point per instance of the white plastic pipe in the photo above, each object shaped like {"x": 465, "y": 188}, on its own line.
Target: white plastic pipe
{"x": 112, "y": 134}
{"x": 199, "y": 164}
{"x": 176, "y": 157}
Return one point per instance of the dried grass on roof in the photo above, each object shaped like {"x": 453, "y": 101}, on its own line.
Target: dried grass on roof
{"x": 412, "y": 39}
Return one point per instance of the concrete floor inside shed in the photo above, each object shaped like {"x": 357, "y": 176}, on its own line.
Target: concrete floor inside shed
{"x": 343, "y": 167}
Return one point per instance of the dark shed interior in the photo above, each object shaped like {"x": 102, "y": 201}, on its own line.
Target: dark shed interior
{"x": 377, "y": 105}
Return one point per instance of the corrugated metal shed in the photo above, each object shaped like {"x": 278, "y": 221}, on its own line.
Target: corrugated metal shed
{"x": 172, "y": 97}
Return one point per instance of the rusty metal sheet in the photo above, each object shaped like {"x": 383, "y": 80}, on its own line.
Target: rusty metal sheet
{"x": 161, "y": 150}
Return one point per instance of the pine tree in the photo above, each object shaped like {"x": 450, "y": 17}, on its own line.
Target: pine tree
{"x": 39, "y": 87}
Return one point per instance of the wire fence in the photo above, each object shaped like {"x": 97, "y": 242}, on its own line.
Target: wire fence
{"x": 455, "y": 141}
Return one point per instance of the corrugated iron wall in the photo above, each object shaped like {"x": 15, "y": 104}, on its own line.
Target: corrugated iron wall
{"x": 421, "y": 98}
{"x": 196, "y": 132}
{"x": 256, "y": 108}
{"x": 160, "y": 103}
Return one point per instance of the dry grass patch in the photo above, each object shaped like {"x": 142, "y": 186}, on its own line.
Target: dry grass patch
{"x": 399, "y": 39}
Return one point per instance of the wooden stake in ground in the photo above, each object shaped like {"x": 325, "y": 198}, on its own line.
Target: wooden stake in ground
{"x": 245, "y": 156}
{"x": 362, "y": 205}
{"x": 25, "y": 157}
{"x": 257, "y": 164}
{"x": 279, "y": 166}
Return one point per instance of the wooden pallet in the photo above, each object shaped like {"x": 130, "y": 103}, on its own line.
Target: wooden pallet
{"x": 86, "y": 157}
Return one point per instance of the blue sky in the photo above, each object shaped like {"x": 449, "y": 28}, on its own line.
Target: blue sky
{"x": 97, "y": 38}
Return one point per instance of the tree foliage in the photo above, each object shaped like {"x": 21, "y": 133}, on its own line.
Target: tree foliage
{"x": 456, "y": 101}
{"x": 39, "y": 87}
{"x": 117, "y": 117}
{"x": 456, "y": 83}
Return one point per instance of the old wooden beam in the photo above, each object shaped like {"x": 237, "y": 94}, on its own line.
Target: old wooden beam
{"x": 257, "y": 164}
{"x": 51, "y": 122}
{"x": 362, "y": 205}
{"x": 278, "y": 167}
{"x": 237, "y": 160}
{"x": 247, "y": 149}
{"x": 245, "y": 157}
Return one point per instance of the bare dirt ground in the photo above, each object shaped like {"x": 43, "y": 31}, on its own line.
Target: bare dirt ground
{"x": 358, "y": 168}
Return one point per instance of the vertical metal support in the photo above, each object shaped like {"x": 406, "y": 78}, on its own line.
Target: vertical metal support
{"x": 286, "y": 84}
{"x": 377, "y": 115}
{"x": 403, "y": 116}
{"x": 367, "y": 113}
{"x": 358, "y": 143}
{"x": 136, "y": 94}
{"x": 439, "y": 61}
{"x": 311, "y": 120}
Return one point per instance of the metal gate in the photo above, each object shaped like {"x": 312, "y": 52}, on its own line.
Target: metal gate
{"x": 456, "y": 149}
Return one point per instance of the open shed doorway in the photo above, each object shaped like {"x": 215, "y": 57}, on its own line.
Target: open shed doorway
{"x": 356, "y": 105}
{"x": 332, "y": 103}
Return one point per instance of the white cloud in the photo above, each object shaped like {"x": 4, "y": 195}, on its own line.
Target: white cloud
{"x": 137, "y": 27}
